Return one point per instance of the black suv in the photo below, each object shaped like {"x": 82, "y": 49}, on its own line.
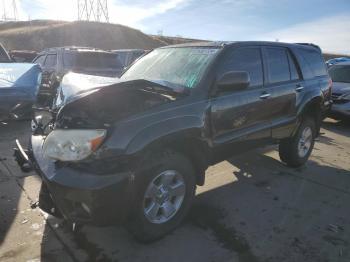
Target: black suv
{"x": 135, "y": 150}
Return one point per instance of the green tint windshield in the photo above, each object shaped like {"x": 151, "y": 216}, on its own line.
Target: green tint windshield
{"x": 183, "y": 66}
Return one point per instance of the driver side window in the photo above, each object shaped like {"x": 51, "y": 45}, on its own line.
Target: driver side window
{"x": 244, "y": 59}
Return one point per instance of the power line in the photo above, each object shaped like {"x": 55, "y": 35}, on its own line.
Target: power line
{"x": 93, "y": 10}
{"x": 9, "y": 10}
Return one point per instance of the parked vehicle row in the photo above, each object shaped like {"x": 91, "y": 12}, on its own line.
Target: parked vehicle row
{"x": 337, "y": 60}
{"x": 132, "y": 150}
{"x": 340, "y": 74}
{"x": 54, "y": 63}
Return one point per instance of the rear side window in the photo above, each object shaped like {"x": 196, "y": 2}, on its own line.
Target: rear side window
{"x": 278, "y": 65}
{"x": 245, "y": 59}
{"x": 51, "y": 60}
{"x": 39, "y": 60}
{"x": 314, "y": 61}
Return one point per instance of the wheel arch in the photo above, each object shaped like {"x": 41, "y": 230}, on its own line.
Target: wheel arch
{"x": 313, "y": 109}
{"x": 185, "y": 143}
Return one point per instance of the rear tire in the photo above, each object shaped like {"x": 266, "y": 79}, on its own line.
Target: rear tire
{"x": 164, "y": 195}
{"x": 295, "y": 151}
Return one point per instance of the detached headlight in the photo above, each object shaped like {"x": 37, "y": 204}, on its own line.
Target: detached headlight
{"x": 72, "y": 145}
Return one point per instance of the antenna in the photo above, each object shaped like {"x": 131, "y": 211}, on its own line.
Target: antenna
{"x": 9, "y": 10}
{"x": 93, "y": 10}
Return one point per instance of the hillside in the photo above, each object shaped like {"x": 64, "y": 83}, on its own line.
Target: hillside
{"x": 37, "y": 35}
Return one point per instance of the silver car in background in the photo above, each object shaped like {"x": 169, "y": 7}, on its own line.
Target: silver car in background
{"x": 340, "y": 74}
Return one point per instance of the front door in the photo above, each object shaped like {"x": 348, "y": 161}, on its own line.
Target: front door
{"x": 241, "y": 116}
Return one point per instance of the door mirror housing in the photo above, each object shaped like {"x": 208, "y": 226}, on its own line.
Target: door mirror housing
{"x": 234, "y": 80}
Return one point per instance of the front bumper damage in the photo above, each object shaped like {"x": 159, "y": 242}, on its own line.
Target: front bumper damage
{"x": 79, "y": 197}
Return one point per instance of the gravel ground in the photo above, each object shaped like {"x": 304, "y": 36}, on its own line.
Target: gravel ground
{"x": 252, "y": 208}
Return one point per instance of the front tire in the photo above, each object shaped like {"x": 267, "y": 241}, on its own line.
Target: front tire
{"x": 295, "y": 151}
{"x": 164, "y": 195}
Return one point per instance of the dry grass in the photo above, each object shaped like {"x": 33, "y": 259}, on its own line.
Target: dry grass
{"x": 38, "y": 35}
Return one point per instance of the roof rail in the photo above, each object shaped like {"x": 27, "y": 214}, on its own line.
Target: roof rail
{"x": 73, "y": 48}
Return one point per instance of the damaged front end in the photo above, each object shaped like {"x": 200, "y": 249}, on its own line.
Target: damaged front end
{"x": 73, "y": 146}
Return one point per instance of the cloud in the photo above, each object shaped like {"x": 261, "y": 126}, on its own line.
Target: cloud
{"x": 331, "y": 34}
{"x": 132, "y": 15}
{"x": 119, "y": 12}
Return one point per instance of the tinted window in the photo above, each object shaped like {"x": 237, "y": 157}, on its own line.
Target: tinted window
{"x": 51, "y": 61}
{"x": 294, "y": 74}
{"x": 122, "y": 57}
{"x": 315, "y": 62}
{"x": 39, "y": 60}
{"x": 95, "y": 60}
{"x": 278, "y": 65}
{"x": 245, "y": 59}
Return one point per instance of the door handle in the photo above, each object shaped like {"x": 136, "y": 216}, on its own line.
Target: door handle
{"x": 299, "y": 88}
{"x": 265, "y": 95}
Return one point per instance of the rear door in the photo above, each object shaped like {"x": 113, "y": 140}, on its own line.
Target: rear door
{"x": 283, "y": 82}
{"x": 242, "y": 115}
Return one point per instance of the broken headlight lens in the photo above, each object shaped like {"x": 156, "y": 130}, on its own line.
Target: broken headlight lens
{"x": 72, "y": 145}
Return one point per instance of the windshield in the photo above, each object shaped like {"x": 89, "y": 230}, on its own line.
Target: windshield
{"x": 340, "y": 73}
{"x": 179, "y": 66}
{"x": 94, "y": 60}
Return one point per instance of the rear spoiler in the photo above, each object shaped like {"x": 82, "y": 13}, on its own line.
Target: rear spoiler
{"x": 309, "y": 44}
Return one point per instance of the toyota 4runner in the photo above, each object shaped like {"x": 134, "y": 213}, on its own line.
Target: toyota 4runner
{"x": 133, "y": 150}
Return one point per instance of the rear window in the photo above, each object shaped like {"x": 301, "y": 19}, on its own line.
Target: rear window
{"x": 314, "y": 61}
{"x": 91, "y": 60}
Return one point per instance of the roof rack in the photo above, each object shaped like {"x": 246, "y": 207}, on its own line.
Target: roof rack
{"x": 73, "y": 48}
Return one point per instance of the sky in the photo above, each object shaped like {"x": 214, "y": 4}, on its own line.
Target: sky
{"x": 323, "y": 22}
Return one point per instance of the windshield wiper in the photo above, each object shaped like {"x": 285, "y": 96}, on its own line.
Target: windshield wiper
{"x": 168, "y": 87}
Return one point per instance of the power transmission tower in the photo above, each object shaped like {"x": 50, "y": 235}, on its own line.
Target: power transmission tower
{"x": 93, "y": 10}
{"x": 9, "y": 10}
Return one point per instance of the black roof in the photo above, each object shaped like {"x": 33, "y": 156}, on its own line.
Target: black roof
{"x": 231, "y": 43}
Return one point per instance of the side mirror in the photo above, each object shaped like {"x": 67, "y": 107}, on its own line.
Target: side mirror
{"x": 234, "y": 80}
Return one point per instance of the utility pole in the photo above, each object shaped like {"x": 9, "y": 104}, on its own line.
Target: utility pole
{"x": 93, "y": 10}
{"x": 9, "y": 10}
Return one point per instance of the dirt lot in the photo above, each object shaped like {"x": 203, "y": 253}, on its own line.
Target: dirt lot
{"x": 252, "y": 208}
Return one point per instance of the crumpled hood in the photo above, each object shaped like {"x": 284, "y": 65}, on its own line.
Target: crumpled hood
{"x": 95, "y": 101}
{"x": 341, "y": 88}
{"x": 74, "y": 84}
